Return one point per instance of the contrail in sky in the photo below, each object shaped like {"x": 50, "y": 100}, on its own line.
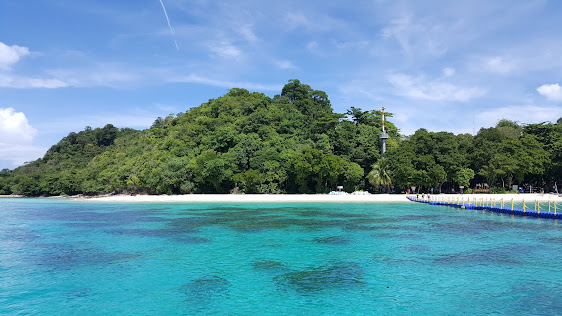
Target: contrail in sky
{"x": 169, "y": 25}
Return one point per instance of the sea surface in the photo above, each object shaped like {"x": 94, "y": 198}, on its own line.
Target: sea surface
{"x": 63, "y": 257}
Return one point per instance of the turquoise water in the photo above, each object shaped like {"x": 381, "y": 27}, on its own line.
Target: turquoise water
{"x": 61, "y": 257}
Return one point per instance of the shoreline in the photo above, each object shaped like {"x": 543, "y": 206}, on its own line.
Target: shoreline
{"x": 297, "y": 198}
{"x": 308, "y": 198}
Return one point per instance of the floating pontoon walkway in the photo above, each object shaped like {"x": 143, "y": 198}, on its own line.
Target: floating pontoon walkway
{"x": 493, "y": 206}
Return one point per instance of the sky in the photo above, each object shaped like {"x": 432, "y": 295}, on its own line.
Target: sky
{"x": 451, "y": 66}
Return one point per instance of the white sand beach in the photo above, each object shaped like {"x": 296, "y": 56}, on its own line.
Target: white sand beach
{"x": 296, "y": 198}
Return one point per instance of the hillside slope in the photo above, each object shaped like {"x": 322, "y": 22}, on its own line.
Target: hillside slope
{"x": 292, "y": 143}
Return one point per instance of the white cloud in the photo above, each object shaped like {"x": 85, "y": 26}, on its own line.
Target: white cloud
{"x": 521, "y": 113}
{"x": 312, "y": 46}
{"x": 285, "y": 64}
{"x": 501, "y": 65}
{"x": 416, "y": 38}
{"x": 353, "y": 44}
{"x": 551, "y": 91}
{"x": 316, "y": 22}
{"x": 435, "y": 90}
{"x": 247, "y": 32}
{"x": 17, "y": 82}
{"x": 448, "y": 72}
{"x": 14, "y": 127}
{"x": 100, "y": 75}
{"x": 9, "y": 55}
{"x": 225, "y": 49}
{"x": 16, "y": 136}
{"x": 297, "y": 19}
{"x": 14, "y": 155}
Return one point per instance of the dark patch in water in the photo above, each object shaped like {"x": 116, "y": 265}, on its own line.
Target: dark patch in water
{"x": 271, "y": 222}
{"x": 417, "y": 248}
{"x": 552, "y": 240}
{"x": 186, "y": 239}
{"x": 329, "y": 214}
{"x": 79, "y": 292}
{"x": 206, "y": 288}
{"x": 338, "y": 276}
{"x": 270, "y": 266}
{"x": 273, "y": 245}
{"x": 405, "y": 228}
{"x": 85, "y": 215}
{"x": 178, "y": 234}
{"x": 18, "y": 235}
{"x": 386, "y": 220}
{"x": 333, "y": 240}
{"x": 398, "y": 236}
{"x": 536, "y": 298}
{"x": 62, "y": 257}
{"x": 467, "y": 228}
{"x": 502, "y": 255}
{"x": 256, "y": 220}
{"x": 93, "y": 224}
{"x": 352, "y": 227}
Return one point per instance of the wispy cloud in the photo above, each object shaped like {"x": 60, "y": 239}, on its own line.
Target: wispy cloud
{"x": 225, "y": 49}
{"x": 499, "y": 64}
{"x": 14, "y": 155}
{"x": 247, "y": 32}
{"x": 18, "y": 82}
{"x": 192, "y": 78}
{"x": 435, "y": 90}
{"x": 415, "y": 37}
{"x": 361, "y": 44}
{"x": 109, "y": 75}
{"x": 519, "y": 113}
{"x": 285, "y": 64}
{"x": 10, "y": 55}
{"x": 169, "y": 25}
{"x": 552, "y": 92}
{"x": 448, "y": 72}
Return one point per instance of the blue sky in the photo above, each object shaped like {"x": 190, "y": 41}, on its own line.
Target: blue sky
{"x": 441, "y": 65}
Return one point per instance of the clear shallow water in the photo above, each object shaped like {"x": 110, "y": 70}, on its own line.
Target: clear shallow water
{"x": 74, "y": 258}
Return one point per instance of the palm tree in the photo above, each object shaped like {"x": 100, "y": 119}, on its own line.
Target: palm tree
{"x": 380, "y": 175}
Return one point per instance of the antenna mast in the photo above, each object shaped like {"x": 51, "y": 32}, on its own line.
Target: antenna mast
{"x": 383, "y": 136}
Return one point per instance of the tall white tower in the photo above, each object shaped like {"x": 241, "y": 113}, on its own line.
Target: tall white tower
{"x": 383, "y": 136}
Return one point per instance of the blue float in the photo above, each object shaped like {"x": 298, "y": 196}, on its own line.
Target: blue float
{"x": 495, "y": 209}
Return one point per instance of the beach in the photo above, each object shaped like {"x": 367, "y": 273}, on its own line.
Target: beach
{"x": 311, "y": 198}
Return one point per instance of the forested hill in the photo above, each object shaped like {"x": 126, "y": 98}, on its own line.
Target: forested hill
{"x": 292, "y": 143}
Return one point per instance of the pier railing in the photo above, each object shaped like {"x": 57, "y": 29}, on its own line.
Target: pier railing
{"x": 534, "y": 208}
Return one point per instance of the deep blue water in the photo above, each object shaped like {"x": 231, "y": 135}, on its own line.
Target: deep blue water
{"x": 62, "y": 257}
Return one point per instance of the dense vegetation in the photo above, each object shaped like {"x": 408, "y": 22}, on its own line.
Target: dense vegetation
{"x": 529, "y": 155}
{"x": 291, "y": 143}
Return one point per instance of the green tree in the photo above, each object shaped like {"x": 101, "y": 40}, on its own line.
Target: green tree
{"x": 463, "y": 176}
{"x": 380, "y": 175}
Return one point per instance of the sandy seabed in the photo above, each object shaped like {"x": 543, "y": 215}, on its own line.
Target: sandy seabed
{"x": 320, "y": 198}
